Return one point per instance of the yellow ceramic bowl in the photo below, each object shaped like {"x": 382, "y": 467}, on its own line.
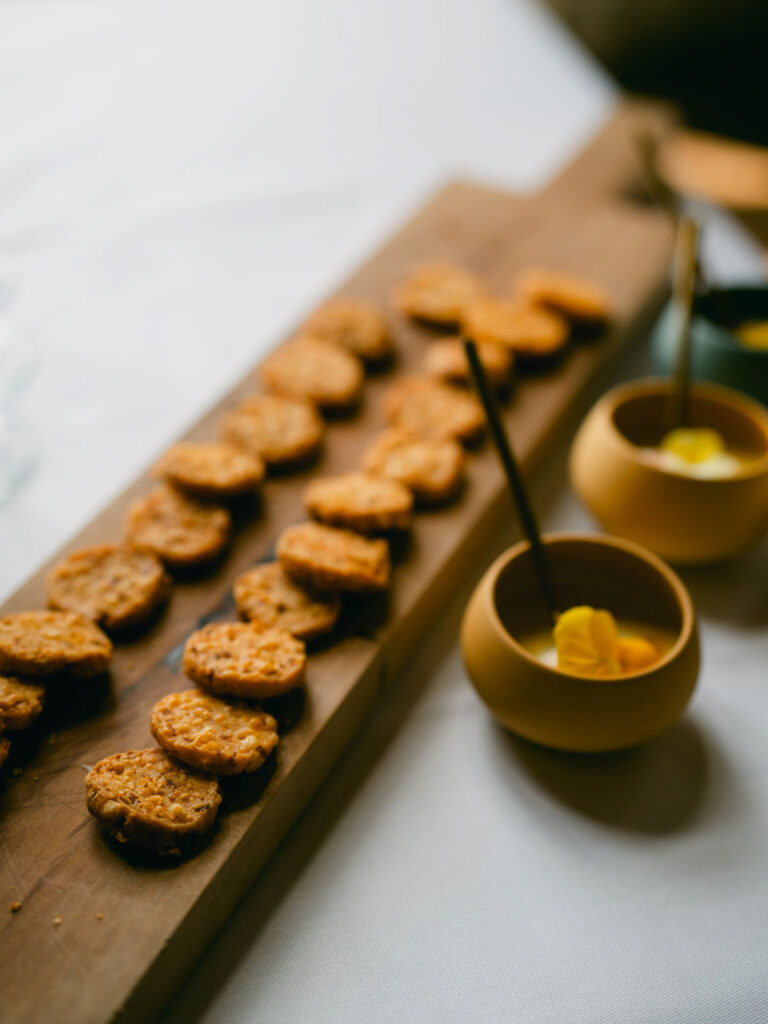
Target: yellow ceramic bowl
{"x": 684, "y": 519}
{"x": 558, "y": 709}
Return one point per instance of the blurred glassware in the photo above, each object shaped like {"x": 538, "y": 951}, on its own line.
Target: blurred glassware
{"x": 18, "y": 363}
{"x": 718, "y": 352}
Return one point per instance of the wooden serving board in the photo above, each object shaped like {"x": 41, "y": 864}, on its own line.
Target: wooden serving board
{"x": 156, "y": 920}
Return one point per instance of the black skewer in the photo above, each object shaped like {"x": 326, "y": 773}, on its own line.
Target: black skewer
{"x": 646, "y": 146}
{"x": 684, "y": 284}
{"x": 514, "y": 480}
{"x": 663, "y": 195}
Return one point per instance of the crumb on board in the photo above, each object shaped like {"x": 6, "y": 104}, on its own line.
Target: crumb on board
{"x": 99, "y": 917}
{"x": 87, "y": 767}
{"x": 35, "y": 778}
{"x": 56, "y": 922}
{"x": 15, "y": 907}
{"x": 17, "y": 772}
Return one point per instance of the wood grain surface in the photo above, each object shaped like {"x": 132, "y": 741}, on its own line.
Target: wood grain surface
{"x": 157, "y": 919}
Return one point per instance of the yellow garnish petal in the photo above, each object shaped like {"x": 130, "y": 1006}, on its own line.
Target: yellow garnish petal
{"x": 754, "y": 334}
{"x": 586, "y": 640}
{"x": 636, "y": 653}
{"x": 605, "y": 633}
{"x": 693, "y": 444}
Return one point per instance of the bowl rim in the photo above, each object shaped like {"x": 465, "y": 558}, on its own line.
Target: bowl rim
{"x": 730, "y": 397}
{"x": 670, "y": 577}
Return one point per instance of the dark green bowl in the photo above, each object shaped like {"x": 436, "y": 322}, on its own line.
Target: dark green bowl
{"x": 716, "y": 352}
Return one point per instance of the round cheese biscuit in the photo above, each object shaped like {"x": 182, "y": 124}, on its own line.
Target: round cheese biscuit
{"x": 279, "y": 430}
{"x": 20, "y": 703}
{"x": 267, "y": 597}
{"x": 145, "y": 798}
{"x": 49, "y": 643}
{"x": 313, "y": 369}
{"x": 433, "y": 470}
{"x": 576, "y": 298}
{"x": 432, "y": 408}
{"x": 241, "y": 660}
{"x": 211, "y": 734}
{"x": 447, "y": 359}
{"x": 355, "y": 324}
{"x": 182, "y": 532}
{"x": 440, "y": 293}
{"x": 331, "y": 559}
{"x": 115, "y": 586}
{"x": 360, "y": 501}
{"x": 211, "y": 470}
{"x": 531, "y": 332}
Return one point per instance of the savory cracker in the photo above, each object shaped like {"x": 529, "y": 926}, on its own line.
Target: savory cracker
{"x": 278, "y": 430}
{"x": 360, "y": 501}
{"x": 355, "y": 324}
{"x": 211, "y": 469}
{"x": 432, "y": 408}
{"x": 239, "y": 659}
{"x": 211, "y": 734}
{"x": 327, "y": 558}
{"x": 182, "y": 532}
{"x": 313, "y": 369}
{"x": 528, "y": 330}
{"x": 116, "y": 586}
{"x": 267, "y": 597}
{"x": 143, "y": 797}
{"x": 20, "y": 703}
{"x": 49, "y": 643}
{"x": 433, "y": 470}
{"x": 574, "y": 297}
{"x": 440, "y": 293}
{"x": 447, "y": 359}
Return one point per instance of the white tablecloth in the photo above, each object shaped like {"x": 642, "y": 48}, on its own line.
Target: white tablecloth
{"x": 178, "y": 183}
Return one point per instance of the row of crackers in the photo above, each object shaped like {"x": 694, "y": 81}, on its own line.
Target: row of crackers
{"x": 224, "y": 727}
{"x": 418, "y": 460}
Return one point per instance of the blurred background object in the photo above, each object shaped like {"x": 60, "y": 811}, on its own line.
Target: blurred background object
{"x": 733, "y": 174}
{"x": 706, "y": 56}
